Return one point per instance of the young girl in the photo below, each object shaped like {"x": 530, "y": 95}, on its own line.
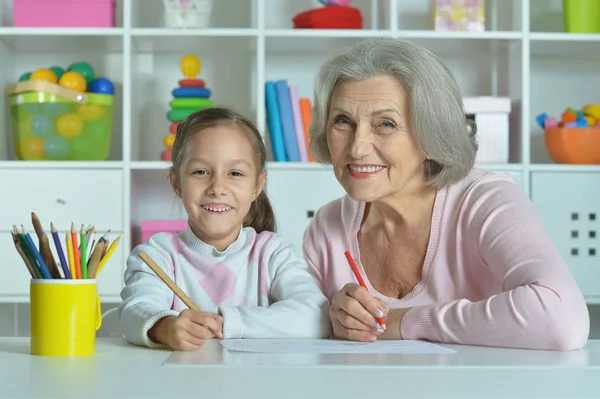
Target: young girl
{"x": 246, "y": 280}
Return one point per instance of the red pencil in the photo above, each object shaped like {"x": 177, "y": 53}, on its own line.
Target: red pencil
{"x": 361, "y": 282}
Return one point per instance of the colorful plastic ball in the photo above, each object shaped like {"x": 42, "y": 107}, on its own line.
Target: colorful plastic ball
{"x": 58, "y": 71}
{"x": 190, "y": 66}
{"x": 98, "y": 130}
{"x": 57, "y": 147}
{"x": 85, "y": 70}
{"x": 32, "y": 108}
{"x": 168, "y": 140}
{"x": 32, "y": 148}
{"x": 102, "y": 86}
{"x": 41, "y": 125}
{"x": 74, "y": 81}
{"x": 91, "y": 112}
{"x": 25, "y": 77}
{"x": 69, "y": 125}
{"x": 85, "y": 148}
{"x": 44, "y": 74}
{"x": 165, "y": 155}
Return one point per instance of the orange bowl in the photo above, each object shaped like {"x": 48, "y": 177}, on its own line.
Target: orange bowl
{"x": 573, "y": 145}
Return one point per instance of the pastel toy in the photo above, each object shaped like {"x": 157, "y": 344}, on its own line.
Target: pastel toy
{"x": 180, "y": 114}
{"x": 85, "y": 70}
{"x": 74, "y": 81}
{"x": 191, "y": 83}
{"x": 569, "y": 116}
{"x": 191, "y": 92}
{"x": 190, "y": 96}
{"x": 198, "y": 103}
{"x": 190, "y": 66}
{"x": 43, "y": 74}
{"x": 550, "y": 122}
{"x": 58, "y": 71}
{"x": 592, "y": 110}
{"x": 102, "y": 85}
{"x": 25, "y": 77}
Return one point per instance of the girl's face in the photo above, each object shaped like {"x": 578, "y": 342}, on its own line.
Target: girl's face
{"x": 218, "y": 181}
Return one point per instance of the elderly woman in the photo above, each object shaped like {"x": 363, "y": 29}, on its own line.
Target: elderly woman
{"x": 448, "y": 253}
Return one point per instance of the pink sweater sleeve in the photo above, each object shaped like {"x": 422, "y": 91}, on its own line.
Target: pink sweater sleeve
{"x": 541, "y": 306}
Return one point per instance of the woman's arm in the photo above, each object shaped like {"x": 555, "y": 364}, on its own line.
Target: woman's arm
{"x": 541, "y": 306}
{"x": 299, "y": 310}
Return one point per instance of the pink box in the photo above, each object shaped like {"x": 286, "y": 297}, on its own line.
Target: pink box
{"x": 151, "y": 227}
{"x": 64, "y": 13}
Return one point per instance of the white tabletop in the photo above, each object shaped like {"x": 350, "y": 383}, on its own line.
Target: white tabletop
{"x": 120, "y": 370}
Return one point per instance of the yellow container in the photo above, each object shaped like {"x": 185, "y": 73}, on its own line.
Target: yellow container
{"x": 581, "y": 16}
{"x": 65, "y": 315}
{"x": 50, "y": 122}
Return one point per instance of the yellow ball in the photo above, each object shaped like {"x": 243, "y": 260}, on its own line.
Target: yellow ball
{"x": 190, "y": 66}
{"x": 69, "y": 125}
{"x": 32, "y": 149}
{"x": 44, "y": 74}
{"x": 169, "y": 140}
{"x": 91, "y": 112}
{"x": 74, "y": 81}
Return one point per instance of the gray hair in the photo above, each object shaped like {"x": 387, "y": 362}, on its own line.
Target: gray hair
{"x": 438, "y": 119}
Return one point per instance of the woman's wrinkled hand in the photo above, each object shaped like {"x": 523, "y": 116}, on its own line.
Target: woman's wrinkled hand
{"x": 353, "y": 314}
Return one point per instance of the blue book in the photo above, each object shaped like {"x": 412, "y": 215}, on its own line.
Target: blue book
{"x": 274, "y": 123}
{"x": 287, "y": 120}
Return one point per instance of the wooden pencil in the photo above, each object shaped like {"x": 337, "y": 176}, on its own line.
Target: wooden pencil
{"x": 76, "y": 251}
{"x": 167, "y": 280}
{"x": 28, "y": 253}
{"x": 44, "y": 245}
{"x": 95, "y": 258}
{"x": 21, "y": 252}
{"x": 59, "y": 250}
{"x": 83, "y": 257}
{"x": 108, "y": 253}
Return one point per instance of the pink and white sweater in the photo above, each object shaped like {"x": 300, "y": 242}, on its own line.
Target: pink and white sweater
{"x": 491, "y": 275}
{"x": 258, "y": 284}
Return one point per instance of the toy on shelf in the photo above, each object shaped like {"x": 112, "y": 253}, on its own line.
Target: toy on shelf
{"x": 59, "y": 114}
{"x": 575, "y": 137}
{"x": 336, "y": 14}
{"x": 192, "y": 95}
{"x": 458, "y": 15}
{"x": 187, "y": 13}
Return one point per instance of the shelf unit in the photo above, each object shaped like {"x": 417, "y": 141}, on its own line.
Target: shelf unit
{"x": 522, "y": 54}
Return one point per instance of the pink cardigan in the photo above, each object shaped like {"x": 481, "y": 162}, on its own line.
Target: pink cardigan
{"x": 491, "y": 276}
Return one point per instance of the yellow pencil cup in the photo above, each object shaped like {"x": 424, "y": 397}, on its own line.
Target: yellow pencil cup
{"x": 65, "y": 315}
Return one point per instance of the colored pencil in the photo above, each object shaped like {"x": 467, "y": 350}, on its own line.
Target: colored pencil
{"x": 21, "y": 252}
{"x": 108, "y": 253}
{"x": 61, "y": 255}
{"x": 37, "y": 255}
{"x": 76, "y": 251}
{"x": 71, "y": 255}
{"x": 44, "y": 245}
{"x": 361, "y": 282}
{"x": 95, "y": 258}
{"x": 83, "y": 257}
{"x": 28, "y": 252}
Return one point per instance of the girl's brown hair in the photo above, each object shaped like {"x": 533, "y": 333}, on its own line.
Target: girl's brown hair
{"x": 261, "y": 216}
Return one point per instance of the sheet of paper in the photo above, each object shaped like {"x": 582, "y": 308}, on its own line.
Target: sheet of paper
{"x": 331, "y": 346}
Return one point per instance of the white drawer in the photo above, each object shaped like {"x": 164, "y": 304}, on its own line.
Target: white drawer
{"x": 91, "y": 197}
{"x": 296, "y": 195}
{"x": 15, "y": 277}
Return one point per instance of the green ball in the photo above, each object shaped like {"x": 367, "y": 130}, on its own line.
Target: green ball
{"x": 58, "y": 71}
{"x": 85, "y": 70}
{"x": 98, "y": 130}
{"x": 84, "y": 148}
{"x": 25, "y": 77}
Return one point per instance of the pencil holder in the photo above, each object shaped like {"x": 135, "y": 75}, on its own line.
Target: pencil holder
{"x": 65, "y": 315}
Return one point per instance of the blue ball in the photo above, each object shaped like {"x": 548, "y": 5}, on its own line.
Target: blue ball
{"x": 102, "y": 86}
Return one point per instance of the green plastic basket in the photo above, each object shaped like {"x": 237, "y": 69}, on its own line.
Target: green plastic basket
{"x": 70, "y": 127}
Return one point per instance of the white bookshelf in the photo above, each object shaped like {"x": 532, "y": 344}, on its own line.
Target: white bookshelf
{"x": 523, "y": 54}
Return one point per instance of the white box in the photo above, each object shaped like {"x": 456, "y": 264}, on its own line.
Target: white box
{"x": 491, "y": 115}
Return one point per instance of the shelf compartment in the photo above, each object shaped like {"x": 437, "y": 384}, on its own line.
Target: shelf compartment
{"x": 63, "y": 40}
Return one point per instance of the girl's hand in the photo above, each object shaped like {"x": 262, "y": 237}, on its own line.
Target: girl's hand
{"x": 353, "y": 314}
{"x": 188, "y": 331}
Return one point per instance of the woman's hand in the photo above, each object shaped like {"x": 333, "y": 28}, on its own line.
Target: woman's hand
{"x": 353, "y": 314}
{"x": 188, "y": 331}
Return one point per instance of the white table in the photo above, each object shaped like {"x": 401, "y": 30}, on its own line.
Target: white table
{"x": 119, "y": 370}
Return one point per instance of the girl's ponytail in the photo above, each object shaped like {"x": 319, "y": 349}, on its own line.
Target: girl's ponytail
{"x": 261, "y": 216}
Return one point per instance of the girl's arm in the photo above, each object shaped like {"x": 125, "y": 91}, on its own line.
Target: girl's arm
{"x": 299, "y": 309}
{"x": 540, "y": 306}
{"x": 146, "y": 299}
